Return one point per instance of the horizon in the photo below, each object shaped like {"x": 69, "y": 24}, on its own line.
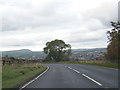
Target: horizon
{"x": 42, "y": 50}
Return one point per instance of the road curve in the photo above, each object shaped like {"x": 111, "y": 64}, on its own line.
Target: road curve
{"x": 76, "y": 76}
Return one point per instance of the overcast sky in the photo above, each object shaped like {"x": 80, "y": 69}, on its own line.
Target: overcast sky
{"x": 29, "y": 24}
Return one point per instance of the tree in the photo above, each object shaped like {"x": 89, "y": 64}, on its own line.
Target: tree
{"x": 113, "y": 49}
{"x": 57, "y": 50}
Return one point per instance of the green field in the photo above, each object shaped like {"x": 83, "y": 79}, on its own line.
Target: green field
{"x": 15, "y": 75}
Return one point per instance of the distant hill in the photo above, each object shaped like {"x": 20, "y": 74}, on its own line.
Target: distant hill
{"x": 28, "y": 54}
{"x": 24, "y": 53}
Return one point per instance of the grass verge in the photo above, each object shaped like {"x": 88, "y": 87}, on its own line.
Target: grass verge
{"x": 110, "y": 65}
{"x": 15, "y": 75}
{"x": 98, "y": 63}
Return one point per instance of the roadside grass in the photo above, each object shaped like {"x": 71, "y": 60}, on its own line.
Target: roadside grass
{"x": 15, "y": 75}
{"x": 98, "y": 63}
{"x": 110, "y": 65}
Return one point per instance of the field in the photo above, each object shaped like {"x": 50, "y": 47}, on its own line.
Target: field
{"x": 14, "y": 76}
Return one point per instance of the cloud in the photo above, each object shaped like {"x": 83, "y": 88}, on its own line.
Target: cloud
{"x": 104, "y": 13}
{"x": 31, "y": 23}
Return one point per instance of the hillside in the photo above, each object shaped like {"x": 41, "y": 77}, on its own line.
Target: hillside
{"x": 76, "y": 53}
{"x": 24, "y": 53}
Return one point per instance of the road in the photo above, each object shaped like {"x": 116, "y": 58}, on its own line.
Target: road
{"x": 76, "y": 76}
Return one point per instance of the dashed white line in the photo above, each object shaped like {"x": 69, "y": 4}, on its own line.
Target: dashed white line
{"x": 34, "y": 79}
{"x": 87, "y": 77}
{"x": 76, "y": 71}
{"x": 69, "y": 67}
{"x": 92, "y": 79}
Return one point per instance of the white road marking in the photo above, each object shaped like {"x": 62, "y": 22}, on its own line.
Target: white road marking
{"x": 87, "y": 77}
{"x": 76, "y": 71}
{"x": 69, "y": 67}
{"x": 34, "y": 79}
{"x": 92, "y": 79}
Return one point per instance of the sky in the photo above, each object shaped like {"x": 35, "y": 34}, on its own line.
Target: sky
{"x": 29, "y": 24}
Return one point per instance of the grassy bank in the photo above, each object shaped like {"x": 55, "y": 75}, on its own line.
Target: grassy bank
{"x": 98, "y": 63}
{"x": 15, "y": 75}
{"x": 110, "y": 65}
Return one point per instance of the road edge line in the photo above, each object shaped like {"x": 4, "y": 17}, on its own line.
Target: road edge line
{"x": 34, "y": 79}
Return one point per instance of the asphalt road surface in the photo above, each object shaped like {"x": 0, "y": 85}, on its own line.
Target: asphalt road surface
{"x": 76, "y": 76}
